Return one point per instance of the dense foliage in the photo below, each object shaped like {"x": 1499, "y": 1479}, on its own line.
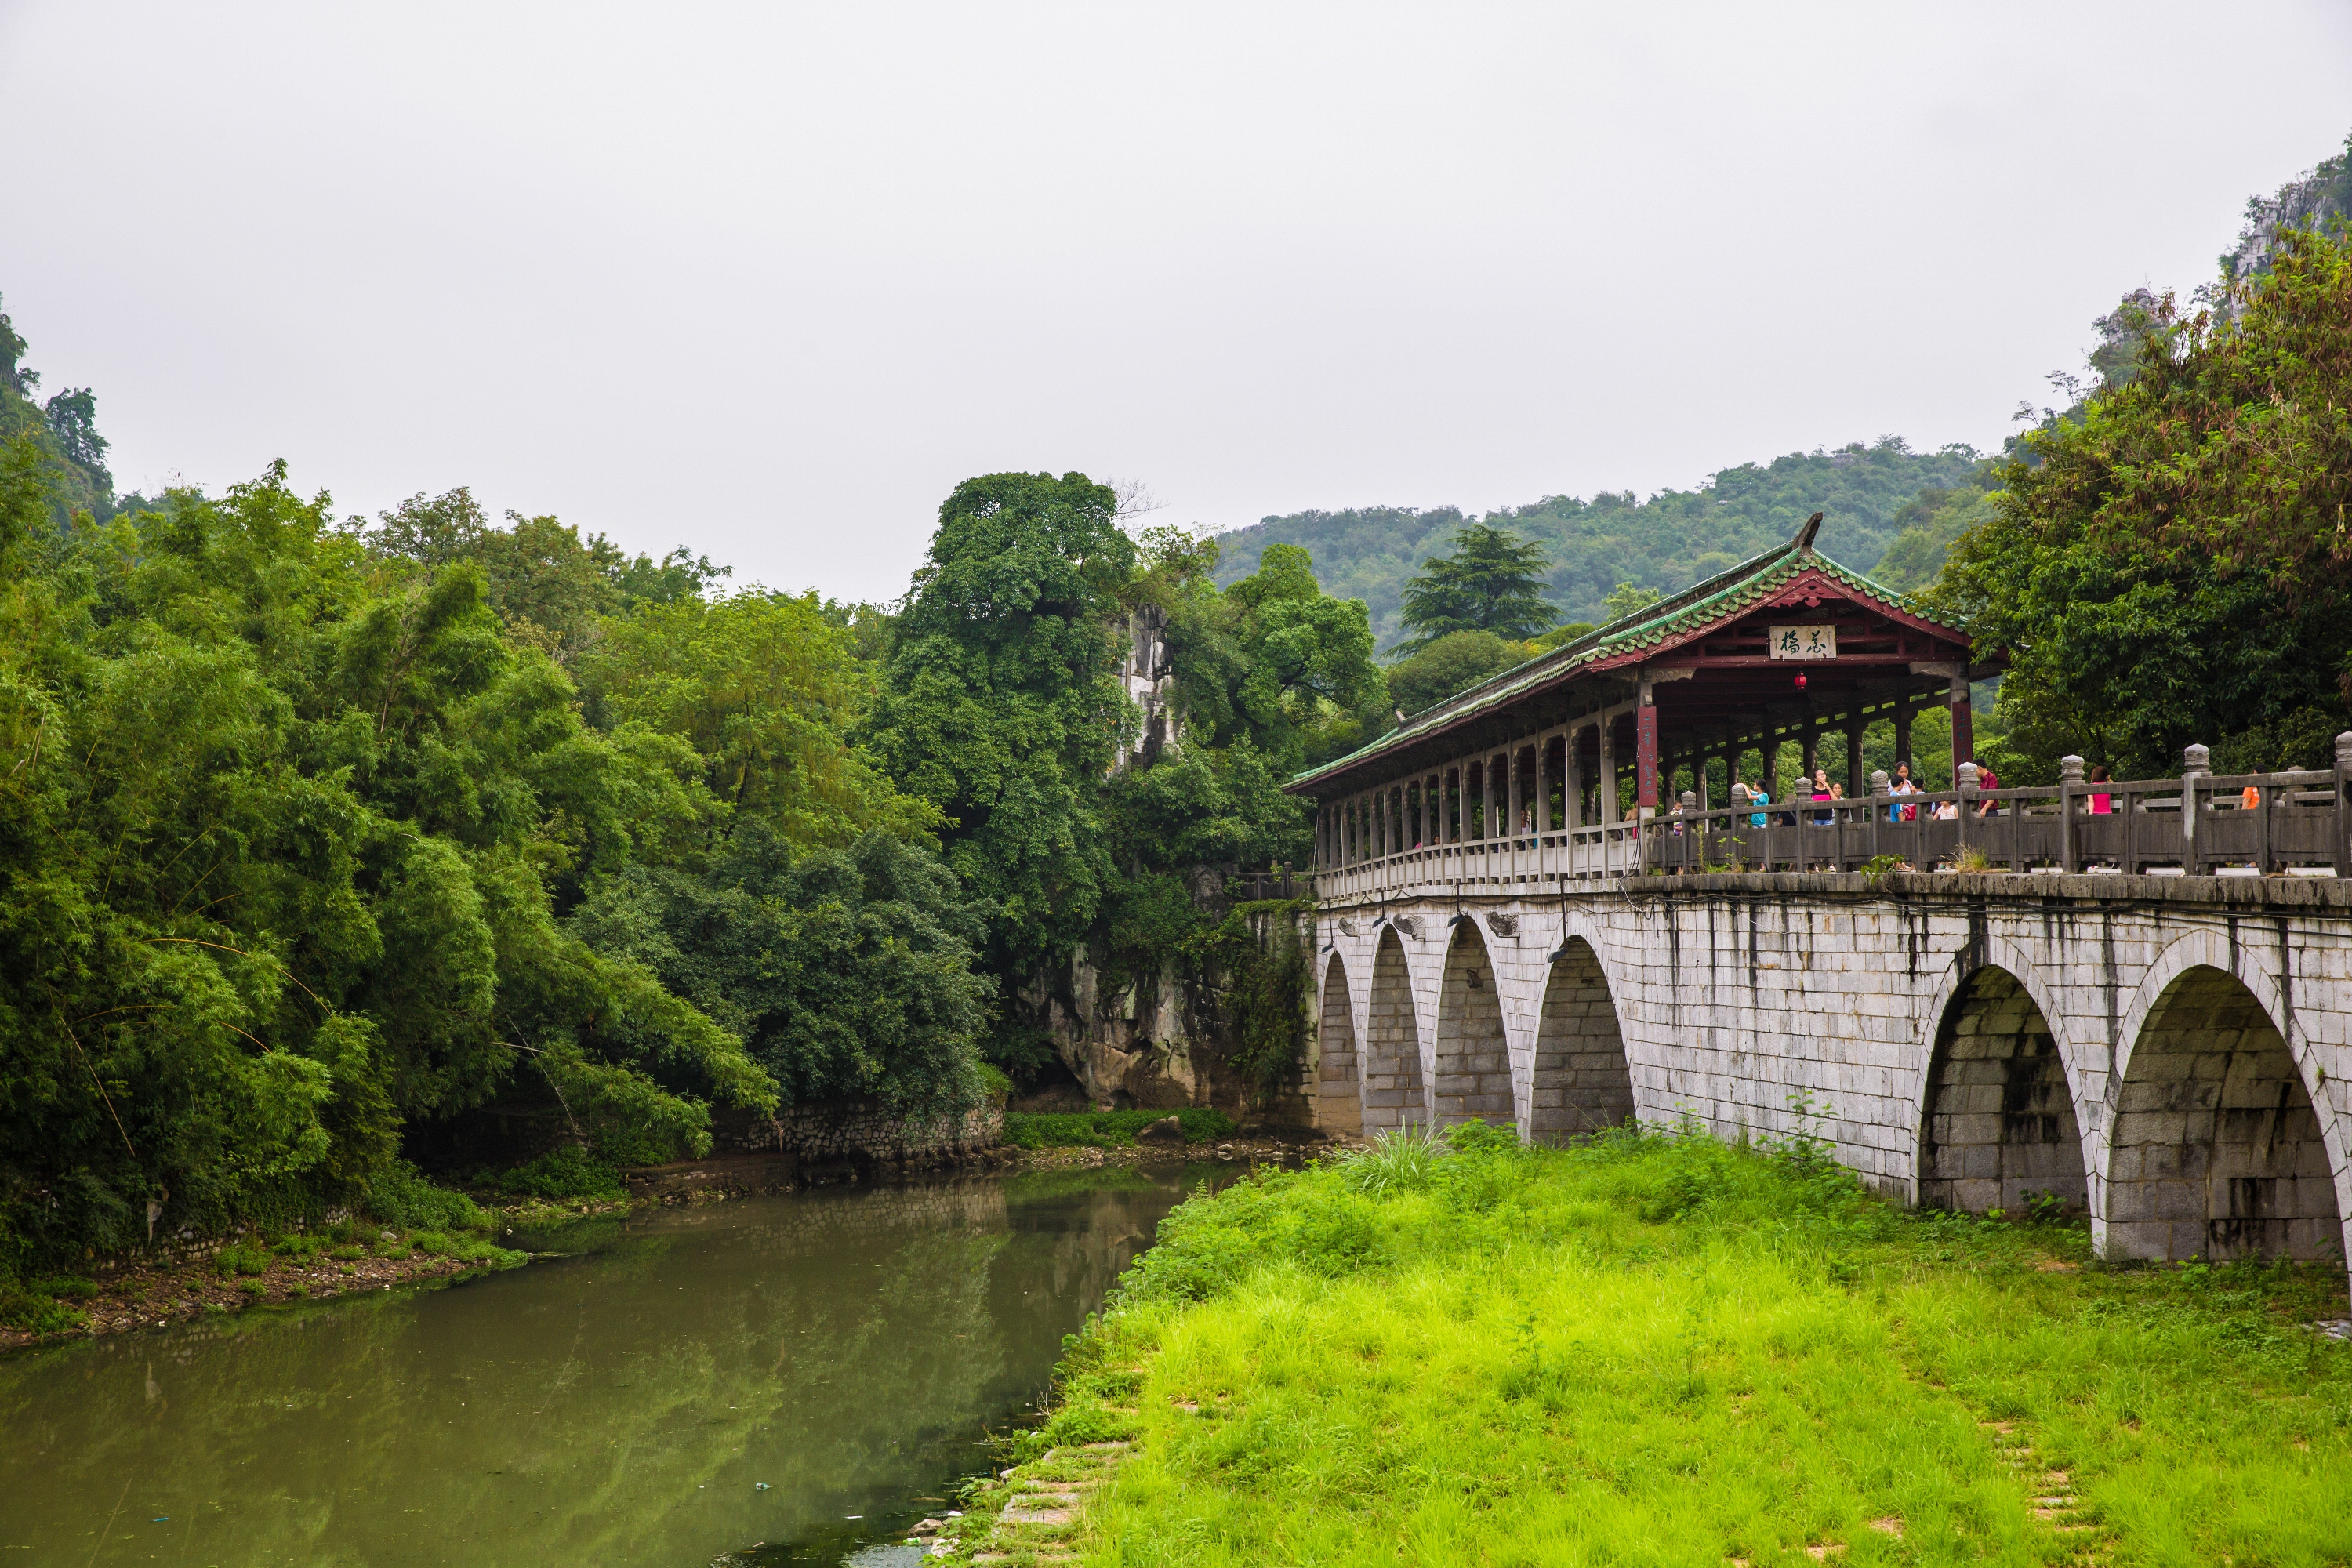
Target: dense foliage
{"x": 1666, "y": 542}
{"x": 2170, "y": 564}
{"x": 1454, "y": 663}
{"x": 284, "y": 833}
{"x": 1493, "y": 582}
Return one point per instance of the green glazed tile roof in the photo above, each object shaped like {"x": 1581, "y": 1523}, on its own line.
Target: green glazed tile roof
{"x": 1723, "y": 596}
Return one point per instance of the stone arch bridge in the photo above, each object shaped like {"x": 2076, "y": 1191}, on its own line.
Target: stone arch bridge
{"x": 2170, "y": 1053}
{"x": 2132, "y": 995}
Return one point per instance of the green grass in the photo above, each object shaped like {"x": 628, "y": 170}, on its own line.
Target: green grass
{"x": 1662, "y": 1350}
{"x": 1108, "y": 1129}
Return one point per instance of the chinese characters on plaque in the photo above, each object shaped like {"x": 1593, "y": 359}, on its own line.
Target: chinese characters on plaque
{"x": 1804, "y": 642}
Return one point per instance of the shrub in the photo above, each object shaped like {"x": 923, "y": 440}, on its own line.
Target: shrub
{"x": 433, "y": 1244}
{"x": 253, "y": 1288}
{"x": 1395, "y": 1161}
{"x": 35, "y": 1313}
{"x": 570, "y": 1172}
{"x": 399, "y": 1196}
{"x": 348, "y": 1254}
{"x": 299, "y": 1246}
{"x": 66, "y": 1288}
{"x": 241, "y": 1259}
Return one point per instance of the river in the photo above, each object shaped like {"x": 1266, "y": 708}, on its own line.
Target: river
{"x": 786, "y": 1379}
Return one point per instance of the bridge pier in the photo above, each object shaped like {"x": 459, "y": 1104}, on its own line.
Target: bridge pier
{"x": 2169, "y": 1054}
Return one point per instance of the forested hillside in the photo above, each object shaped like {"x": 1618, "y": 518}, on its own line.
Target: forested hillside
{"x": 1666, "y": 542}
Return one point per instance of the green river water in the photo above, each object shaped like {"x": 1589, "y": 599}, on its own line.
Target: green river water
{"x": 784, "y": 1379}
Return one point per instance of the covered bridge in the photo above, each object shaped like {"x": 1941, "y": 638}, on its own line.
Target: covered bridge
{"x": 1520, "y": 779}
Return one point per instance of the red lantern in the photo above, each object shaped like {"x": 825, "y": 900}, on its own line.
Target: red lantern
{"x": 1801, "y": 683}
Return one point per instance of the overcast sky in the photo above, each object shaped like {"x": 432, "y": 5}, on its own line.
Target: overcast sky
{"x": 769, "y": 279}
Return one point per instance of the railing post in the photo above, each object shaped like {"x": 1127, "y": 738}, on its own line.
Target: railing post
{"x": 2196, "y": 761}
{"x": 2070, "y": 779}
{"x": 2344, "y": 804}
{"x": 1739, "y": 822}
{"x": 1690, "y": 825}
{"x": 1880, "y": 799}
{"x": 1967, "y": 783}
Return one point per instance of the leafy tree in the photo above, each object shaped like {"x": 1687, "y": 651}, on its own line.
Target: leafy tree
{"x": 2171, "y": 566}
{"x": 64, "y": 432}
{"x": 280, "y": 849}
{"x": 1492, "y": 583}
{"x": 73, "y": 420}
{"x": 1562, "y": 635}
{"x": 1627, "y": 600}
{"x": 1452, "y": 664}
{"x": 847, "y": 971}
{"x": 549, "y": 586}
{"x": 13, "y": 376}
{"x": 1272, "y": 662}
{"x": 1000, "y": 702}
{"x": 767, "y": 691}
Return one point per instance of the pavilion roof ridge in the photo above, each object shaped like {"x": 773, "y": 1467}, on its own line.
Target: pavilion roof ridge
{"x": 1728, "y": 592}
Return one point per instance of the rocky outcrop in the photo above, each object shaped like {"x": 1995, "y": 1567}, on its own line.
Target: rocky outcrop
{"x": 1157, "y": 1040}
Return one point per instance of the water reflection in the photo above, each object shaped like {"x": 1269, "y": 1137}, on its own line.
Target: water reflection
{"x": 789, "y": 1369}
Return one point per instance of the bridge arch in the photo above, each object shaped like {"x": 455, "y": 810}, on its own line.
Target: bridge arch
{"x": 1472, "y": 1065}
{"x": 1391, "y": 1077}
{"x": 1339, "y": 1092}
{"x": 1999, "y": 1090}
{"x": 2216, "y": 1146}
{"x": 1582, "y": 1081}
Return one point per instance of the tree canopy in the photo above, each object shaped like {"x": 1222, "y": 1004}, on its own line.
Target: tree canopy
{"x": 1492, "y": 583}
{"x": 2170, "y": 564}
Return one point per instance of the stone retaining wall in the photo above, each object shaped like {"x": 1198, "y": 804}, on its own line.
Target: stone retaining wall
{"x": 858, "y": 1130}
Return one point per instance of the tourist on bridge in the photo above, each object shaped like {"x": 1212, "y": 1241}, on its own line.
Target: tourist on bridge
{"x": 2103, "y": 803}
{"x": 1903, "y": 785}
{"x": 1756, "y": 796}
{"x": 1823, "y": 795}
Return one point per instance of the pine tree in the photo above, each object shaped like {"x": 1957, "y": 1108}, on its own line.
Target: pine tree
{"x": 1492, "y": 583}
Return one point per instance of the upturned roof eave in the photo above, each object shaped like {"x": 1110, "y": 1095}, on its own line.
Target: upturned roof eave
{"x": 1632, "y": 641}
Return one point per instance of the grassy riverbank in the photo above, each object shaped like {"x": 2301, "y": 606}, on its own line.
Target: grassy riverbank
{"x": 1662, "y": 1350}
{"x": 418, "y": 1232}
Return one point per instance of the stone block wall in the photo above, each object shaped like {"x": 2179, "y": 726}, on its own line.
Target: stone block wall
{"x": 1765, "y": 1004}
{"x": 1391, "y": 1082}
{"x": 1472, "y": 1077}
{"x": 2217, "y": 1146}
{"x": 2000, "y": 1119}
{"x": 1578, "y": 1079}
{"x": 1338, "y": 1107}
{"x": 858, "y": 1130}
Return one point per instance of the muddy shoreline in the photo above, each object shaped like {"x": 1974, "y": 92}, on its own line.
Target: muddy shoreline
{"x": 150, "y": 1295}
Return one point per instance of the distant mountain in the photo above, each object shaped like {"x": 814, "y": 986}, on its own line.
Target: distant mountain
{"x": 1668, "y": 542}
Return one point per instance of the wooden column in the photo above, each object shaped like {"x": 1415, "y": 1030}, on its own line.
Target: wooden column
{"x": 1809, "y": 756}
{"x": 1645, "y": 752}
{"x": 1964, "y": 741}
{"x": 1608, "y": 781}
{"x": 1543, "y": 784}
{"x": 1571, "y": 793}
{"x": 1903, "y": 736}
{"x": 1856, "y": 786}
